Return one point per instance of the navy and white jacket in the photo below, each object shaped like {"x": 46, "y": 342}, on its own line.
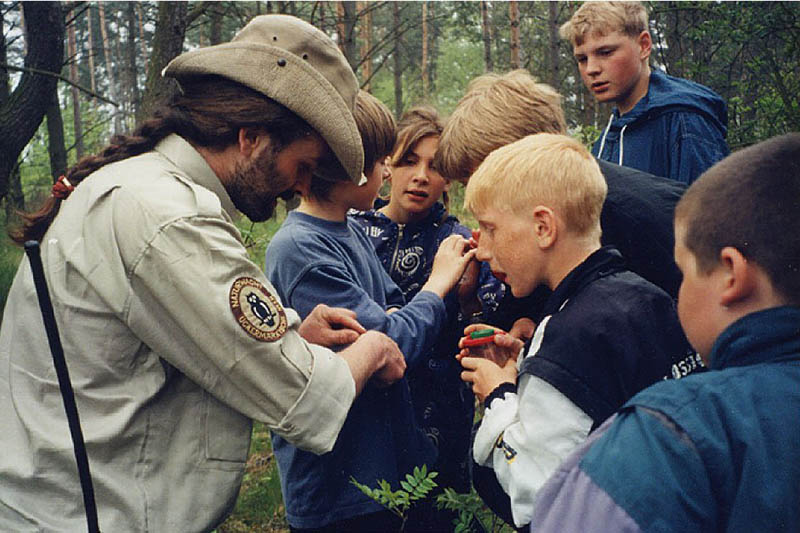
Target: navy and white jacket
{"x": 607, "y": 334}
{"x": 677, "y": 130}
{"x": 714, "y": 452}
{"x": 443, "y": 403}
{"x": 636, "y": 220}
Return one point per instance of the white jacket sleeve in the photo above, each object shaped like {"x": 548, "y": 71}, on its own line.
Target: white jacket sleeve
{"x": 525, "y": 436}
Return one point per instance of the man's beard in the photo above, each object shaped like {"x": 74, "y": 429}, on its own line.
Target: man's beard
{"x": 255, "y": 186}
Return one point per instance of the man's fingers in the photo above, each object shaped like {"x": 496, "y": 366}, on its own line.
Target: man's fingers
{"x": 342, "y": 336}
{"x": 344, "y": 318}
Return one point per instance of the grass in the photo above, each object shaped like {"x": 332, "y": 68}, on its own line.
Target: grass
{"x": 259, "y": 508}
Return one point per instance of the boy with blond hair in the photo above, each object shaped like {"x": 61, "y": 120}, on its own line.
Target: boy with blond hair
{"x": 500, "y": 109}
{"x": 606, "y": 333}
{"x": 319, "y": 256}
{"x": 716, "y": 451}
{"x": 664, "y": 125}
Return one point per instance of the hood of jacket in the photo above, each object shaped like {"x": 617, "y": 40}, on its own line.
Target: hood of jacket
{"x": 667, "y": 93}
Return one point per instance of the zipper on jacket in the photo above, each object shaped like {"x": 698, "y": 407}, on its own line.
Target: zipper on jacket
{"x": 397, "y": 245}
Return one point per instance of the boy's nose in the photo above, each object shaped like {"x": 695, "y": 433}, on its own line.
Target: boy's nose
{"x": 592, "y": 65}
{"x": 421, "y": 174}
{"x": 482, "y": 253}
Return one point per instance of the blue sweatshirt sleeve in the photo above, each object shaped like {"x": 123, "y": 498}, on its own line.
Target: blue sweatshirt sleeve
{"x": 414, "y": 327}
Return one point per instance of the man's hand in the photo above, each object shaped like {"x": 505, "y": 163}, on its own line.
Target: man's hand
{"x": 374, "y": 355}
{"x": 330, "y": 326}
{"x": 485, "y": 375}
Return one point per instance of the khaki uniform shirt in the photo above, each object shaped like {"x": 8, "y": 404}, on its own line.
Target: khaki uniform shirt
{"x": 174, "y": 340}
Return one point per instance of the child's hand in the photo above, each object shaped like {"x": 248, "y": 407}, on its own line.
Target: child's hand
{"x": 486, "y": 376}
{"x": 467, "y": 288}
{"x": 451, "y": 259}
{"x": 503, "y": 348}
{"x": 523, "y": 329}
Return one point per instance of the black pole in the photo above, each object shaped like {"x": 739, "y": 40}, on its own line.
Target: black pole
{"x": 64, "y": 383}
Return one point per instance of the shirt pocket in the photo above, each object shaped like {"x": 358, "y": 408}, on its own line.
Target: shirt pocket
{"x": 227, "y": 434}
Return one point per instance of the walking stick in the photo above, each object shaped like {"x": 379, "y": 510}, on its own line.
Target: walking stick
{"x": 50, "y": 326}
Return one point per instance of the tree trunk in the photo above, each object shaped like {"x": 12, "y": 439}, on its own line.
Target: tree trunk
{"x": 424, "y": 65}
{"x": 346, "y": 12}
{"x": 167, "y": 44}
{"x": 552, "y": 26}
{"x": 56, "y": 147}
{"x": 366, "y": 45}
{"x": 133, "y": 81}
{"x": 398, "y": 72}
{"x": 487, "y": 37}
{"x": 112, "y": 83}
{"x": 215, "y": 26}
{"x": 22, "y": 112}
{"x": 72, "y": 53}
{"x": 15, "y": 200}
{"x": 90, "y": 55}
{"x": 513, "y": 15}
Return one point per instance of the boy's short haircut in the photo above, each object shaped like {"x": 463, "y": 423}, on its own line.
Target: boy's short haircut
{"x": 750, "y": 201}
{"x": 417, "y": 123}
{"x": 603, "y": 18}
{"x": 543, "y": 169}
{"x": 377, "y": 128}
{"x": 495, "y": 111}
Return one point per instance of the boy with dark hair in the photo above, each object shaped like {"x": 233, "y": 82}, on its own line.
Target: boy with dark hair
{"x": 319, "y": 256}
{"x": 716, "y": 451}
{"x": 607, "y": 333}
{"x": 664, "y": 125}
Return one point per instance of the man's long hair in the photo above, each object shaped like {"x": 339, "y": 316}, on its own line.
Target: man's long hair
{"x": 208, "y": 112}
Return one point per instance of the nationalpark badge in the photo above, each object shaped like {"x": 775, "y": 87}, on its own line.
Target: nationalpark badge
{"x": 256, "y": 310}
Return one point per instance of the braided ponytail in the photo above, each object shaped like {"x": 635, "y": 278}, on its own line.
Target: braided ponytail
{"x": 209, "y": 113}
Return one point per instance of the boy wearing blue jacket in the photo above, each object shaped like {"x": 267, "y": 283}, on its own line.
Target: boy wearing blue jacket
{"x": 319, "y": 256}
{"x": 716, "y": 451}
{"x": 660, "y": 124}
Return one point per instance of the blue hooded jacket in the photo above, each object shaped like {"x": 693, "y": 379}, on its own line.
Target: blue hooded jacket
{"x": 677, "y": 130}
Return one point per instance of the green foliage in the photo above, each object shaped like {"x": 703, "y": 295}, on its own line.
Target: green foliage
{"x": 470, "y": 508}
{"x": 414, "y": 487}
{"x": 10, "y": 257}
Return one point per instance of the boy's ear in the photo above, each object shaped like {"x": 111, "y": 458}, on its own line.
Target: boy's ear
{"x": 544, "y": 226}
{"x": 446, "y": 185}
{"x": 303, "y": 184}
{"x": 740, "y": 276}
{"x": 645, "y": 43}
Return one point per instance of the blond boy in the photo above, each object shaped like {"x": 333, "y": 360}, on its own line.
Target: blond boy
{"x": 637, "y": 214}
{"x": 319, "y": 256}
{"x": 716, "y": 451}
{"x": 660, "y": 124}
{"x": 606, "y": 332}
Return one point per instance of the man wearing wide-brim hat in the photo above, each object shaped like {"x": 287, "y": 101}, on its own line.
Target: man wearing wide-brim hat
{"x": 174, "y": 339}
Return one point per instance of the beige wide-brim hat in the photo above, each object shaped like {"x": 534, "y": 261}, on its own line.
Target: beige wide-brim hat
{"x": 295, "y": 64}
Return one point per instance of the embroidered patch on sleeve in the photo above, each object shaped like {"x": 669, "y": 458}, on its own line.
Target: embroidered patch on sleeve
{"x": 256, "y": 310}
